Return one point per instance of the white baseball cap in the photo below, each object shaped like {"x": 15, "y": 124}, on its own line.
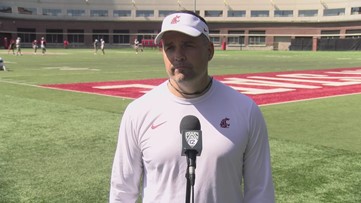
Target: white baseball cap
{"x": 185, "y": 23}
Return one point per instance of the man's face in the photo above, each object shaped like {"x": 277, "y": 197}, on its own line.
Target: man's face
{"x": 185, "y": 57}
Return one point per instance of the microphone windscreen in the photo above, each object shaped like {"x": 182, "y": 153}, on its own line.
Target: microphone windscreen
{"x": 190, "y": 129}
{"x": 189, "y": 122}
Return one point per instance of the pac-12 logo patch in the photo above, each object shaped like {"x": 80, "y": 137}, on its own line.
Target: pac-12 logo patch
{"x": 192, "y": 138}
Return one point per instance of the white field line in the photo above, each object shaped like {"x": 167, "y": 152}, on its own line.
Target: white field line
{"x": 310, "y": 99}
{"x": 38, "y": 86}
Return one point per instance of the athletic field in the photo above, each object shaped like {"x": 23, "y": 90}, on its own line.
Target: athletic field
{"x": 60, "y": 114}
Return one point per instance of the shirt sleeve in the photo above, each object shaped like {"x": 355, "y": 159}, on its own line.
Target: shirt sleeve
{"x": 258, "y": 184}
{"x": 127, "y": 165}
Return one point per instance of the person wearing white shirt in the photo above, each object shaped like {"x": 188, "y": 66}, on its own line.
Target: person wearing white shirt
{"x": 235, "y": 164}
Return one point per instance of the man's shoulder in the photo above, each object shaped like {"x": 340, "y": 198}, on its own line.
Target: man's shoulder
{"x": 227, "y": 92}
{"x": 155, "y": 94}
{"x": 151, "y": 100}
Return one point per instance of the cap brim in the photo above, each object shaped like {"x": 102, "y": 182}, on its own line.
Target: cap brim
{"x": 183, "y": 29}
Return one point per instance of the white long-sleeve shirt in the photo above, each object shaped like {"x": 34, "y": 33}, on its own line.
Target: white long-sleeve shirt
{"x": 235, "y": 149}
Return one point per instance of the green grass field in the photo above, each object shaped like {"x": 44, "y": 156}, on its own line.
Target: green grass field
{"x": 58, "y": 146}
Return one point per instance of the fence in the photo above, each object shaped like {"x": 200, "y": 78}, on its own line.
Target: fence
{"x": 249, "y": 41}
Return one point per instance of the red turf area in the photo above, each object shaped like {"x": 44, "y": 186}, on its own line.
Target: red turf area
{"x": 264, "y": 88}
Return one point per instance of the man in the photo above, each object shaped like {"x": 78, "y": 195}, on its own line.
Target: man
{"x": 35, "y": 46}
{"x": 6, "y": 43}
{"x": 18, "y": 46}
{"x": 138, "y": 45}
{"x": 43, "y": 45}
{"x": 66, "y": 44}
{"x": 95, "y": 44}
{"x": 11, "y": 46}
{"x": 2, "y": 65}
{"x": 102, "y": 46}
{"x": 235, "y": 151}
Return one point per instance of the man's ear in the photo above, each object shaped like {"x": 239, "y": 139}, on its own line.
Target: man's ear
{"x": 211, "y": 51}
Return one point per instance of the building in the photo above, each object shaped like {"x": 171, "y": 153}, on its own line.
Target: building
{"x": 238, "y": 24}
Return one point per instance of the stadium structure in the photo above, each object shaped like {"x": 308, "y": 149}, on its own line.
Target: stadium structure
{"x": 234, "y": 24}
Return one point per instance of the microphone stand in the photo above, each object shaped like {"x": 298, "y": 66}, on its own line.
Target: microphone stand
{"x": 190, "y": 174}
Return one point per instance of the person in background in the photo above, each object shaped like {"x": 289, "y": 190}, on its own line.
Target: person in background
{"x": 235, "y": 163}
{"x": 43, "y": 45}
{"x": 2, "y": 65}
{"x": 66, "y": 44}
{"x": 102, "y": 46}
{"x": 96, "y": 44}
{"x": 11, "y": 46}
{"x": 35, "y": 46}
{"x": 18, "y": 46}
{"x": 6, "y": 43}
{"x": 137, "y": 45}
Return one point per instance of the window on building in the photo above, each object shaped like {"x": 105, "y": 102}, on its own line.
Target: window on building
{"x": 307, "y": 13}
{"x": 54, "y": 36}
{"x": 261, "y": 13}
{"x": 26, "y": 34}
{"x": 51, "y": 12}
{"x": 232, "y": 13}
{"x": 145, "y": 34}
{"x": 122, "y": 13}
{"x": 99, "y": 13}
{"x": 164, "y": 13}
{"x": 144, "y": 13}
{"x": 283, "y": 13}
{"x": 214, "y": 36}
{"x": 355, "y": 10}
{"x": 334, "y": 12}
{"x": 213, "y": 13}
{"x": 101, "y": 34}
{"x": 278, "y": 39}
{"x": 5, "y": 9}
{"x": 27, "y": 11}
{"x": 121, "y": 37}
{"x": 352, "y": 34}
{"x": 235, "y": 37}
{"x": 75, "y": 12}
{"x": 330, "y": 34}
{"x": 257, "y": 37}
{"x": 76, "y": 36}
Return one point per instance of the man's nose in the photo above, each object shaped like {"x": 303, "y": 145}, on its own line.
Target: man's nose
{"x": 180, "y": 54}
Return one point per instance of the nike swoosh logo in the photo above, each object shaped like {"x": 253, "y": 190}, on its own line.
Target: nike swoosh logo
{"x": 153, "y": 126}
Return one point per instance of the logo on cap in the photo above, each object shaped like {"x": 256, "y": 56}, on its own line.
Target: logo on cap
{"x": 175, "y": 20}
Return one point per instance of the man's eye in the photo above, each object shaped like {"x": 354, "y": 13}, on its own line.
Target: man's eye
{"x": 169, "y": 48}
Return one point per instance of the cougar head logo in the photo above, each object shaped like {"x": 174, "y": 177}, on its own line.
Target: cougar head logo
{"x": 224, "y": 123}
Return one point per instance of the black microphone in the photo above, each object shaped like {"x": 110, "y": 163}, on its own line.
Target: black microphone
{"x": 190, "y": 128}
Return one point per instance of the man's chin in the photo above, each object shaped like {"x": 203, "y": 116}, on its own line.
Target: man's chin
{"x": 180, "y": 76}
